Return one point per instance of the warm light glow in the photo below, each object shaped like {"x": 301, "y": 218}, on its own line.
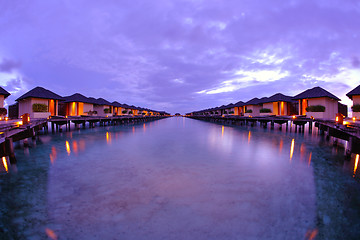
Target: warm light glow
{"x": 53, "y": 155}
{"x": 66, "y": 116}
{"x": 292, "y": 149}
{"x": 337, "y": 119}
{"x": 356, "y": 163}
{"x": 19, "y": 123}
{"x": 5, "y": 164}
{"x": 249, "y": 137}
{"x": 144, "y": 127}
{"x": 294, "y": 117}
{"x": 133, "y": 129}
{"x": 345, "y": 122}
{"x": 75, "y": 146}
{"x": 51, "y": 234}
{"x": 311, "y": 234}
{"x": 309, "y": 159}
{"x": 354, "y": 119}
{"x": 222, "y": 131}
{"x": 73, "y": 109}
{"x": 107, "y": 137}
{"x": 281, "y": 145}
{"x": 0, "y": 118}
{"x": 302, "y": 151}
{"x": 68, "y": 147}
{"x": 28, "y": 119}
{"x": 6, "y": 118}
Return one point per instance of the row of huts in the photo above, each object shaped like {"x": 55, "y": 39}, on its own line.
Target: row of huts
{"x": 315, "y": 102}
{"x": 42, "y": 103}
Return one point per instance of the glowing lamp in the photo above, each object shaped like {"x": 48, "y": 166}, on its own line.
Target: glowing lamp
{"x": 294, "y": 117}
{"x": 6, "y": 118}
{"x": 339, "y": 118}
{"x": 354, "y": 119}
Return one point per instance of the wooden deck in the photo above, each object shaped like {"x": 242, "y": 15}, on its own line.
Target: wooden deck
{"x": 13, "y": 131}
{"x": 349, "y": 132}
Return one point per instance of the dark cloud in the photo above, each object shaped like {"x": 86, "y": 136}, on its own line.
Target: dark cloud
{"x": 133, "y": 51}
{"x": 7, "y": 65}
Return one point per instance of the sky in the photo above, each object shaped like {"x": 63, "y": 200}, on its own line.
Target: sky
{"x": 179, "y": 55}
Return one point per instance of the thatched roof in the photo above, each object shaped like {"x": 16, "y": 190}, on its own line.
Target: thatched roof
{"x": 40, "y": 92}
{"x": 4, "y": 92}
{"x": 278, "y": 97}
{"x": 77, "y": 97}
{"x": 354, "y": 92}
{"x": 315, "y": 92}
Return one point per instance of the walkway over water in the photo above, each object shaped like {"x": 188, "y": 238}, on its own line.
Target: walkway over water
{"x": 178, "y": 178}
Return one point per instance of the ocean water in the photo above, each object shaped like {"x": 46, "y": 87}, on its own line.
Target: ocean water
{"x": 179, "y": 178}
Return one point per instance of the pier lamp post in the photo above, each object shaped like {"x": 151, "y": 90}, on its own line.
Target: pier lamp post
{"x": 339, "y": 118}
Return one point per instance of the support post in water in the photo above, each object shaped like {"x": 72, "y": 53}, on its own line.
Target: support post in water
{"x": 348, "y": 149}
{"x": 9, "y": 147}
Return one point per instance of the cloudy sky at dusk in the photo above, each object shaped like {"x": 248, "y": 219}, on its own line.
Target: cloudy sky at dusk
{"x": 179, "y": 56}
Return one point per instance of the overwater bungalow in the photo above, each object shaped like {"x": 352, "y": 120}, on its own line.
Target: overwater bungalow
{"x": 354, "y": 95}
{"x": 77, "y": 105}
{"x": 279, "y": 105}
{"x": 3, "y": 95}
{"x": 39, "y": 103}
{"x": 252, "y": 107}
{"x": 102, "y": 107}
{"x": 118, "y": 108}
{"x": 126, "y": 110}
{"x": 239, "y": 108}
{"x": 318, "y": 103}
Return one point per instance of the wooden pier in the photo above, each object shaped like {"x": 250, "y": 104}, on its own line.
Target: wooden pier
{"x": 349, "y": 132}
{"x": 15, "y": 131}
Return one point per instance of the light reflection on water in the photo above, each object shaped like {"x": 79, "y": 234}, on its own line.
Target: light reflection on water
{"x": 182, "y": 179}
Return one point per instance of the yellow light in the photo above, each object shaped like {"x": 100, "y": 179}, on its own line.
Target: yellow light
{"x": 5, "y": 164}
{"x": 345, "y": 122}
{"x": 249, "y": 137}
{"x": 66, "y": 116}
{"x": 6, "y": 118}
{"x": 0, "y": 118}
{"x": 19, "y": 123}
{"x": 356, "y": 163}
{"x": 294, "y": 117}
{"x": 222, "y": 131}
{"x": 337, "y": 119}
{"x": 292, "y": 148}
{"x": 310, "y": 159}
{"x": 68, "y": 147}
{"x": 107, "y": 137}
{"x": 354, "y": 119}
{"x": 28, "y": 119}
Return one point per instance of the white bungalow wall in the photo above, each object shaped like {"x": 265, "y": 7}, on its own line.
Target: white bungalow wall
{"x": 25, "y": 106}
{"x": 356, "y": 100}
{"x": 255, "y": 110}
{"x": 2, "y": 98}
{"x": 331, "y": 108}
{"x": 277, "y": 108}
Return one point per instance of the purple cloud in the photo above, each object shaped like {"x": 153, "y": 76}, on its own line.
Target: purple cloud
{"x": 183, "y": 55}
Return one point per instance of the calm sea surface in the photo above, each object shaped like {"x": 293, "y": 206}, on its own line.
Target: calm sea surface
{"x": 180, "y": 178}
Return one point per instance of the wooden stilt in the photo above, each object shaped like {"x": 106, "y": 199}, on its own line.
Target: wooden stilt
{"x": 10, "y": 150}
